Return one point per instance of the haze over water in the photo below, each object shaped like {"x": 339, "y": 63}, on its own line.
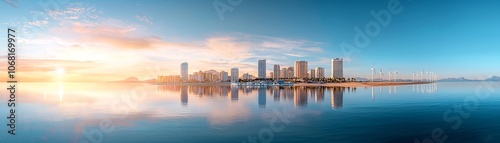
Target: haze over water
{"x": 64, "y": 112}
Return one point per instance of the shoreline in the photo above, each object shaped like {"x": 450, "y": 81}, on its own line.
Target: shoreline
{"x": 358, "y": 84}
{"x": 344, "y": 84}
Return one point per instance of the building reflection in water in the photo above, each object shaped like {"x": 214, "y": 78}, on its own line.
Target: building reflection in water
{"x": 184, "y": 95}
{"x": 337, "y": 97}
{"x": 234, "y": 94}
{"x": 262, "y": 97}
{"x": 276, "y": 93}
{"x": 320, "y": 94}
{"x": 298, "y": 95}
{"x": 300, "y": 98}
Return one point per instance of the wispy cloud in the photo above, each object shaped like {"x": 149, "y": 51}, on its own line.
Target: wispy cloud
{"x": 39, "y": 23}
{"x": 75, "y": 11}
{"x": 144, "y": 18}
{"x": 12, "y": 3}
{"x": 293, "y": 55}
{"x": 117, "y": 36}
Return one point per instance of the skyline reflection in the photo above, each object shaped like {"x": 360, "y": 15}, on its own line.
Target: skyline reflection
{"x": 337, "y": 97}
{"x": 299, "y": 96}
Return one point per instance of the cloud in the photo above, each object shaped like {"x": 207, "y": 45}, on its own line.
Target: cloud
{"x": 12, "y": 3}
{"x": 98, "y": 42}
{"x": 75, "y": 11}
{"x": 39, "y": 23}
{"x": 122, "y": 37}
{"x": 293, "y": 55}
{"x": 229, "y": 49}
{"x": 144, "y": 18}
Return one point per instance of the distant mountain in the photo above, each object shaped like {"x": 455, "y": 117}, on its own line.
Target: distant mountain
{"x": 131, "y": 79}
{"x": 460, "y": 79}
{"x": 362, "y": 79}
{"x": 493, "y": 78}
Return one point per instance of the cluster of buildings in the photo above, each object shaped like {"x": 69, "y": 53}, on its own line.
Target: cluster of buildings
{"x": 300, "y": 70}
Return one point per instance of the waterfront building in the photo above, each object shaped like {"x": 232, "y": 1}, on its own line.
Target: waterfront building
{"x": 337, "y": 68}
{"x": 301, "y": 69}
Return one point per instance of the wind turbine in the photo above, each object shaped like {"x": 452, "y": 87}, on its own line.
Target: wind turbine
{"x": 413, "y": 76}
{"x": 427, "y": 78}
{"x": 432, "y": 77}
{"x": 416, "y": 77}
{"x": 422, "y": 75}
{"x": 390, "y": 73}
{"x": 373, "y": 71}
{"x": 396, "y": 75}
{"x": 381, "y": 74}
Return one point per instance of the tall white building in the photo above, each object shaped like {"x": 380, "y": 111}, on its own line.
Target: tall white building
{"x": 337, "y": 68}
{"x": 320, "y": 72}
{"x": 301, "y": 69}
{"x": 262, "y": 69}
{"x": 234, "y": 75}
{"x": 276, "y": 72}
{"x": 184, "y": 72}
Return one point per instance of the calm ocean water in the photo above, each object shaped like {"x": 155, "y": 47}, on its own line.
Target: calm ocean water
{"x": 135, "y": 113}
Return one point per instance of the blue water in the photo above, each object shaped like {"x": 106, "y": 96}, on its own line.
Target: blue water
{"x": 132, "y": 113}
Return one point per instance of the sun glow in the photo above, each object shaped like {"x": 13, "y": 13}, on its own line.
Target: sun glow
{"x": 60, "y": 71}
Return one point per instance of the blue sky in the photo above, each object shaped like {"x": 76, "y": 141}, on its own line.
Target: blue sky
{"x": 451, "y": 38}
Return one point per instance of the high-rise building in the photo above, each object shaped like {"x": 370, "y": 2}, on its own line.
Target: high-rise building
{"x": 337, "y": 68}
{"x": 320, "y": 72}
{"x": 208, "y": 76}
{"x": 184, "y": 72}
{"x": 283, "y": 73}
{"x": 301, "y": 69}
{"x": 262, "y": 69}
{"x": 224, "y": 76}
{"x": 276, "y": 72}
{"x": 234, "y": 75}
{"x": 290, "y": 72}
{"x": 201, "y": 77}
{"x": 312, "y": 74}
{"x": 247, "y": 76}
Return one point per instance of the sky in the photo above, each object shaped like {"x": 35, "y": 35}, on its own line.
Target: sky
{"x": 96, "y": 40}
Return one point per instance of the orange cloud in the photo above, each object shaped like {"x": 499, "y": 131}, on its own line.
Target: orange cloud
{"x": 121, "y": 37}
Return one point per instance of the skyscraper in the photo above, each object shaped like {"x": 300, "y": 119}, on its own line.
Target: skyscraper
{"x": 320, "y": 72}
{"x": 312, "y": 74}
{"x": 276, "y": 72}
{"x": 301, "y": 69}
{"x": 290, "y": 73}
{"x": 223, "y": 76}
{"x": 184, "y": 71}
{"x": 337, "y": 68}
{"x": 234, "y": 75}
{"x": 283, "y": 73}
{"x": 262, "y": 69}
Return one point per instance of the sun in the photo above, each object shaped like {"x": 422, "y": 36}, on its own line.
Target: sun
{"x": 60, "y": 71}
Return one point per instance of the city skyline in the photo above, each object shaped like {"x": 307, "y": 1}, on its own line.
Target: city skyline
{"x": 86, "y": 36}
